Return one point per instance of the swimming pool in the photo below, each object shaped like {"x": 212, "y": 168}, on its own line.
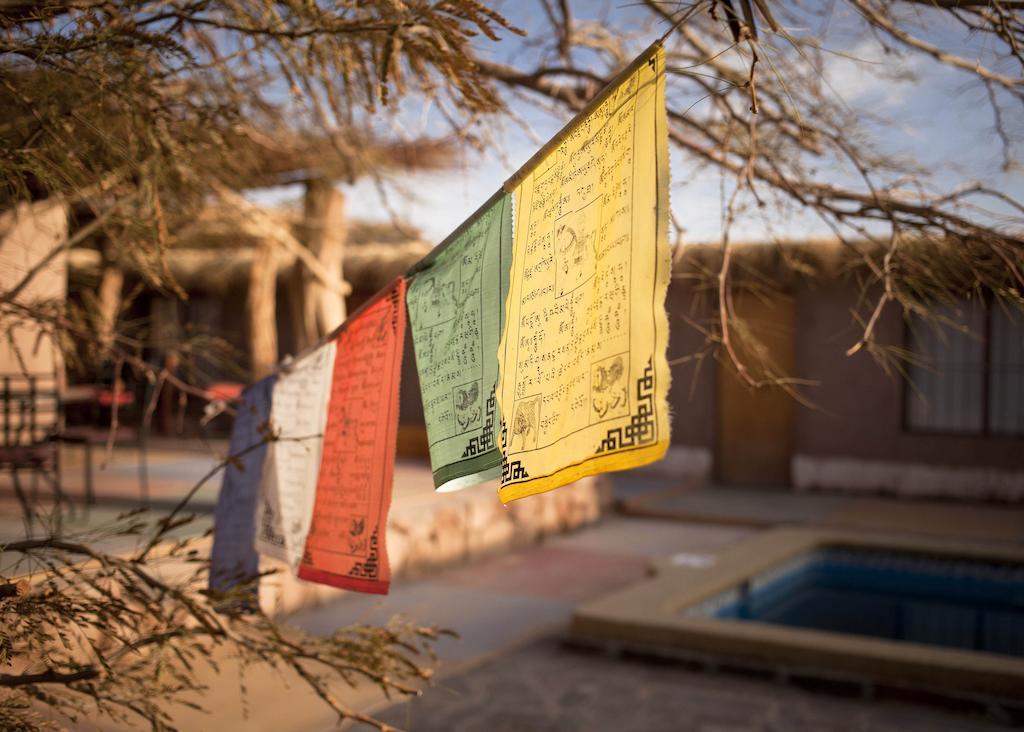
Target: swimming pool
{"x": 975, "y": 605}
{"x": 881, "y": 611}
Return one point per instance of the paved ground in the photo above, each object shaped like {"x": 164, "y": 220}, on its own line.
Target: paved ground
{"x": 495, "y": 605}
{"x": 172, "y": 472}
{"x": 510, "y": 670}
{"x": 172, "y": 468}
{"x": 546, "y": 687}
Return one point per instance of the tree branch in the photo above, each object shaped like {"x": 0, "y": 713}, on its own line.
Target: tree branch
{"x": 47, "y": 677}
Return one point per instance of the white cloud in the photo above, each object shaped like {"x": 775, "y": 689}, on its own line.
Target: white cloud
{"x": 866, "y": 75}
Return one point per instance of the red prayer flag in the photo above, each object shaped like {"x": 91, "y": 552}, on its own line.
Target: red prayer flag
{"x": 346, "y": 546}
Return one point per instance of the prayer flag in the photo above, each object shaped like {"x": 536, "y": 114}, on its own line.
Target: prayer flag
{"x": 346, "y": 546}
{"x": 233, "y": 559}
{"x": 293, "y": 460}
{"x": 456, "y": 310}
{"x": 583, "y": 373}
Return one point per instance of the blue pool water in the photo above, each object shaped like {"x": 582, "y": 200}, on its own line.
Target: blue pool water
{"x": 921, "y": 599}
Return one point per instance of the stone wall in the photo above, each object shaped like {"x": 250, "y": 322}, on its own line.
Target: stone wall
{"x": 450, "y": 528}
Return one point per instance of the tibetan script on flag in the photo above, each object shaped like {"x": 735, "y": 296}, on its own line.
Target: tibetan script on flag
{"x": 293, "y": 460}
{"x": 234, "y": 560}
{"x": 584, "y": 376}
{"x": 456, "y": 310}
{"x": 345, "y": 546}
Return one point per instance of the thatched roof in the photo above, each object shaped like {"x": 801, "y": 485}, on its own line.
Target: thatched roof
{"x": 215, "y": 252}
{"x": 275, "y": 158}
{"x": 953, "y": 264}
{"x": 781, "y": 263}
{"x": 367, "y": 267}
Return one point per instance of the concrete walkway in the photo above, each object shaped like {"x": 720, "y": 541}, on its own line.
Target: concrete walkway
{"x": 509, "y": 669}
{"x": 172, "y": 472}
{"x": 546, "y": 687}
{"x": 496, "y": 605}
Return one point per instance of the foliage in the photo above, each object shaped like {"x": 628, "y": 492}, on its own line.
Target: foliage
{"x": 130, "y": 634}
{"x": 135, "y": 112}
{"x": 160, "y": 98}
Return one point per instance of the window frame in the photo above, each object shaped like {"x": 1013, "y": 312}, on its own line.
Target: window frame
{"x": 985, "y": 396}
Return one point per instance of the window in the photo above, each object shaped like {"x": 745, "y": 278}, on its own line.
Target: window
{"x": 967, "y": 378}
{"x": 1006, "y": 372}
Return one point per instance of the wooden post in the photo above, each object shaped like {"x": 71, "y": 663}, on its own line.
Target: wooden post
{"x": 108, "y": 297}
{"x": 261, "y": 311}
{"x": 325, "y": 235}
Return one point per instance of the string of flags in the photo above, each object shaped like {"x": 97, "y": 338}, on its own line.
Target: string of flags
{"x": 540, "y": 336}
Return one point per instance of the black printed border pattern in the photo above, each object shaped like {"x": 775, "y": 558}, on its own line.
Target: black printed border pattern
{"x": 510, "y": 469}
{"x": 369, "y": 569}
{"x": 642, "y": 428}
{"x": 484, "y": 442}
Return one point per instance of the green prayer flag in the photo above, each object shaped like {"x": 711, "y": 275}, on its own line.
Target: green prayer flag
{"x": 456, "y": 304}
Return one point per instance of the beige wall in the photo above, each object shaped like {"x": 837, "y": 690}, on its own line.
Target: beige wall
{"x": 27, "y": 234}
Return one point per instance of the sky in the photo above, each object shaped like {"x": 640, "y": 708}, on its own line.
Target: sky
{"x": 940, "y": 121}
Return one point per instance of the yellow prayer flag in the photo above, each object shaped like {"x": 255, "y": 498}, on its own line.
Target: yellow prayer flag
{"x": 583, "y": 374}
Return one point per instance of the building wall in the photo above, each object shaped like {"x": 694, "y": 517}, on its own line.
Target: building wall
{"x": 861, "y": 406}
{"x": 692, "y": 395}
{"x": 855, "y": 439}
{"x": 30, "y": 360}
{"x": 28, "y": 233}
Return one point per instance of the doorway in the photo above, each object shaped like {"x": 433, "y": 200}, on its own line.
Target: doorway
{"x": 754, "y": 440}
